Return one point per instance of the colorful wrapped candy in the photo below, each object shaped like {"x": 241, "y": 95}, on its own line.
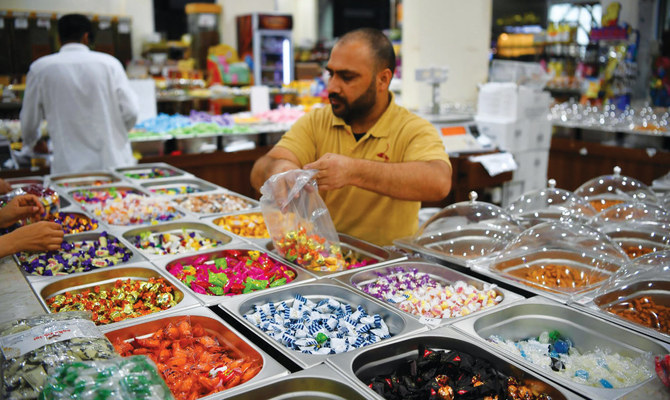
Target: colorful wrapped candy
{"x": 214, "y": 203}
{"x": 310, "y": 251}
{"x": 175, "y": 190}
{"x": 95, "y": 196}
{"x": 134, "y": 210}
{"x": 235, "y": 272}
{"x": 250, "y": 225}
{"x": 173, "y": 242}
{"x": 153, "y": 173}
{"x": 73, "y": 222}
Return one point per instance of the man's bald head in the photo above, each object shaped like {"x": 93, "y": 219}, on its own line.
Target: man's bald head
{"x": 380, "y": 46}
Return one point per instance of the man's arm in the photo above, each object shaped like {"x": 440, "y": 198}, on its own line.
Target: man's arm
{"x": 39, "y": 236}
{"x": 278, "y": 159}
{"x": 412, "y": 180}
{"x": 31, "y": 112}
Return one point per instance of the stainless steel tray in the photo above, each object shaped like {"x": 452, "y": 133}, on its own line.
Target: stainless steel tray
{"x": 532, "y": 316}
{"x": 658, "y": 289}
{"x": 321, "y": 382}
{"x": 214, "y": 326}
{"x": 253, "y": 204}
{"x": 139, "y": 271}
{"x": 365, "y": 363}
{"x": 140, "y": 168}
{"x": 204, "y": 229}
{"x": 85, "y": 236}
{"x": 440, "y": 273}
{"x": 91, "y": 178}
{"x": 214, "y": 220}
{"x": 357, "y": 246}
{"x": 165, "y": 262}
{"x": 199, "y": 185}
{"x": 122, "y": 185}
{"x": 398, "y": 323}
{"x": 25, "y": 181}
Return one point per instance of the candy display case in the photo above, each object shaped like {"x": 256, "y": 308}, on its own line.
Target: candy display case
{"x": 404, "y": 285}
{"x": 52, "y": 294}
{"x": 363, "y": 365}
{"x": 89, "y": 252}
{"x": 638, "y": 297}
{"x": 89, "y": 196}
{"x": 196, "y": 273}
{"x": 247, "y": 225}
{"x": 463, "y": 231}
{"x": 187, "y": 236}
{"x": 214, "y": 327}
{"x": 93, "y": 178}
{"x": 25, "y": 181}
{"x": 210, "y": 204}
{"x": 636, "y": 213}
{"x": 150, "y": 171}
{"x": 599, "y": 359}
{"x": 321, "y": 295}
{"x": 636, "y": 239}
{"x": 75, "y": 222}
{"x": 555, "y": 259}
{"x": 177, "y": 187}
{"x": 358, "y": 255}
{"x": 607, "y": 190}
{"x": 550, "y": 204}
{"x": 321, "y": 382}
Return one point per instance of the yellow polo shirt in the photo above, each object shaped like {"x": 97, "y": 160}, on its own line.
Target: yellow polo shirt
{"x": 398, "y": 136}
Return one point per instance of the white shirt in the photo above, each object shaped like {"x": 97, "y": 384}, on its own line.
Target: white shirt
{"x": 89, "y": 107}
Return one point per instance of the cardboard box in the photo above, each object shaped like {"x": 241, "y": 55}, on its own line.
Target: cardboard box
{"x": 533, "y": 165}
{"x": 539, "y": 131}
{"x": 508, "y": 135}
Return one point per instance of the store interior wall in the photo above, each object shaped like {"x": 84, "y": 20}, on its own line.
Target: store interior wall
{"x": 141, "y": 12}
{"x": 450, "y": 33}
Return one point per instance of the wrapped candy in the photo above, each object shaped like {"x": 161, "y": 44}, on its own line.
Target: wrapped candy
{"x": 173, "y": 242}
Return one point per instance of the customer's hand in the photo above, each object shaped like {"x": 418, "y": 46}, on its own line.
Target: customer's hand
{"x": 39, "y": 236}
{"x": 20, "y": 207}
{"x": 334, "y": 171}
{"x": 4, "y": 186}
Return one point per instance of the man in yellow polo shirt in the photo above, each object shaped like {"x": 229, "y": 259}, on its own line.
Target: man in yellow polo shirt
{"x": 376, "y": 160}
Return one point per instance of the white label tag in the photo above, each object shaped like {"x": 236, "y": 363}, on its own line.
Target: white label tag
{"x": 496, "y": 163}
{"x": 124, "y": 27}
{"x": 44, "y": 23}
{"x": 102, "y": 25}
{"x": 21, "y": 23}
{"x": 206, "y": 20}
{"x": 432, "y": 322}
{"x": 21, "y": 343}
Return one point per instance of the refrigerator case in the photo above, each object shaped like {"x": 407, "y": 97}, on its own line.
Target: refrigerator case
{"x": 264, "y": 42}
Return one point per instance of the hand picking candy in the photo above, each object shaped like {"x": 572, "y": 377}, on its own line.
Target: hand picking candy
{"x": 232, "y": 272}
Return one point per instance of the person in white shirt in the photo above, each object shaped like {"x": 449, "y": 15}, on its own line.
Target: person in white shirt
{"x": 86, "y": 99}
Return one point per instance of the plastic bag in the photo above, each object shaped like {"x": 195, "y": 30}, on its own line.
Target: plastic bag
{"x": 299, "y": 222}
{"x": 49, "y": 197}
{"x": 134, "y": 377}
{"x": 33, "y": 347}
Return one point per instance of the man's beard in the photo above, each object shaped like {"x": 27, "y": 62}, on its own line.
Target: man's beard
{"x": 358, "y": 108}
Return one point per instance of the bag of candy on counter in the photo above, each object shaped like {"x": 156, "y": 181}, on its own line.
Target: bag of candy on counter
{"x": 134, "y": 377}
{"x": 33, "y": 347}
{"x": 299, "y": 223}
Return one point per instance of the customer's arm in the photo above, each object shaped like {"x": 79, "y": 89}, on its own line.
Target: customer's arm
{"x": 4, "y": 186}
{"x": 39, "y": 236}
{"x": 31, "y": 111}
{"x": 412, "y": 180}
{"x": 20, "y": 207}
{"x": 277, "y": 160}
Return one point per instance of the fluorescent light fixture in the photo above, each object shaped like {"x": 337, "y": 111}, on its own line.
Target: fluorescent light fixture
{"x": 286, "y": 61}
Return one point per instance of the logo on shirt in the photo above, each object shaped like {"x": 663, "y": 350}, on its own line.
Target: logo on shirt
{"x": 383, "y": 154}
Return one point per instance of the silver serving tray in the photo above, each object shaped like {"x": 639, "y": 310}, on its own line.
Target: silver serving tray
{"x": 78, "y": 237}
{"x": 214, "y": 325}
{"x": 365, "y": 363}
{"x": 176, "y": 172}
{"x": 532, "y": 316}
{"x": 84, "y": 179}
{"x": 253, "y": 204}
{"x": 168, "y": 183}
{"x": 321, "y": 382}
{"x": 399, "y": 324}
{"x": 202, "y": 228}
{"x": 443, "y": 274}
{"x": 163, "y": 263}
{"x": 25, "y": 181}
{"x": 139, "y": 271}
{"x": 658, "y": 289}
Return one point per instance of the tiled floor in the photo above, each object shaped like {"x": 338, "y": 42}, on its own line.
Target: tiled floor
{"x": 17, "y": 300}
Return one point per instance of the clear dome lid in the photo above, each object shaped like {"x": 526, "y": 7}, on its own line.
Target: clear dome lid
{"x": 608, "y": 190}
{"x": 632, "y": 212}
{"x": 637, "y": 240}
{"x": 550, "y": 204}
{"x": 560, "y": 257}
{"x": 467, "y": 230}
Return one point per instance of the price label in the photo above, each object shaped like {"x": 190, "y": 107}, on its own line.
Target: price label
{"x": 102, "y": 25}
{"x": 432, "y": 322}
{"x": 207, "y": 21}
{"x": 124, "y": 27}
{"x": 44, "y": 23}
{"x": 21, "y": 23}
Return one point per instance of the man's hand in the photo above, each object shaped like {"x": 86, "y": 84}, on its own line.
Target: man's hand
{"x": 4, "y": 186}
{"x": 39, "y": 236}
{"x": 21, "y": 207}
{"x": 335, "y": 171}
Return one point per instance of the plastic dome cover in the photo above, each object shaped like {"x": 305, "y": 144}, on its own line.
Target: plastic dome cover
{"x": 468, "y": 229}
{"x": 640, "y": 293}
{"x": 550, "y": 204}
{"x": 637, "y": 240}
{"x": 560, "y": 257}
{"x": 608, "y": 190}
{"x": 632, "y": 212}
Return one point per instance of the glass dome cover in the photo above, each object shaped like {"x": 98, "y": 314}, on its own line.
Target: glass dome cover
{"x": 607, "y": 190}
{"x": 560, "y": 257}
{"x": 550, "y": 204}
{"x": 467, "y": 230}
{"x": 631, "y": 212}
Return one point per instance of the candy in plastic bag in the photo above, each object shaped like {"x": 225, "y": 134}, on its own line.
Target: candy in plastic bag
{"x": 299, "y": 222}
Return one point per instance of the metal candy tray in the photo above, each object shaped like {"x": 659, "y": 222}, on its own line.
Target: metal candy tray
{"x": 104, "y": 188}
{"x": 158, "y": 187}
{"x": 658, "y": 290}
{"x": 444, "y": 275}
{"x": 217, "y": 219}
{"x": 25, "y": 181}
{"x": 168, "y": 261}
{"x": 92, "y": 178}
{"x": 216, "y": 200}
{"x": 321, "y": 382}
{"x": 80, "y": 237}
{"x": 363, "y": 364}
{"x": 531, "y": 317}
{"x": 398, "y": 323}
{"x": 172, "y": 172}
{"x": 44, "y": 290}
{"x": 194, "y": 225}
{"x": 214, "y": 326}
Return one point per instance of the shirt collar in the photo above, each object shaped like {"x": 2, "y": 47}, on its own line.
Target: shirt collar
{"x": 74, "y": 47}
{"x": 337, "y": 121}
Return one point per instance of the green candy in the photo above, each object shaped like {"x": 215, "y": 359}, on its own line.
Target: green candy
{"x": 321, "y": 338}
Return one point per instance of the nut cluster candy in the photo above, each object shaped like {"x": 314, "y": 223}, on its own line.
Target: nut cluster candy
{"x": 645, "y": 311}
{"x": 173, "y": 242}
{"x": 558, "y": 276}
{"x": 310, "y": 251}
{"x": 251, "y": 225}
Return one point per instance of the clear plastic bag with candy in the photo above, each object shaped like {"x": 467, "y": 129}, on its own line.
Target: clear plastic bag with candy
{"x": 48, "y": 197}
{"x": 299, "y": 223}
